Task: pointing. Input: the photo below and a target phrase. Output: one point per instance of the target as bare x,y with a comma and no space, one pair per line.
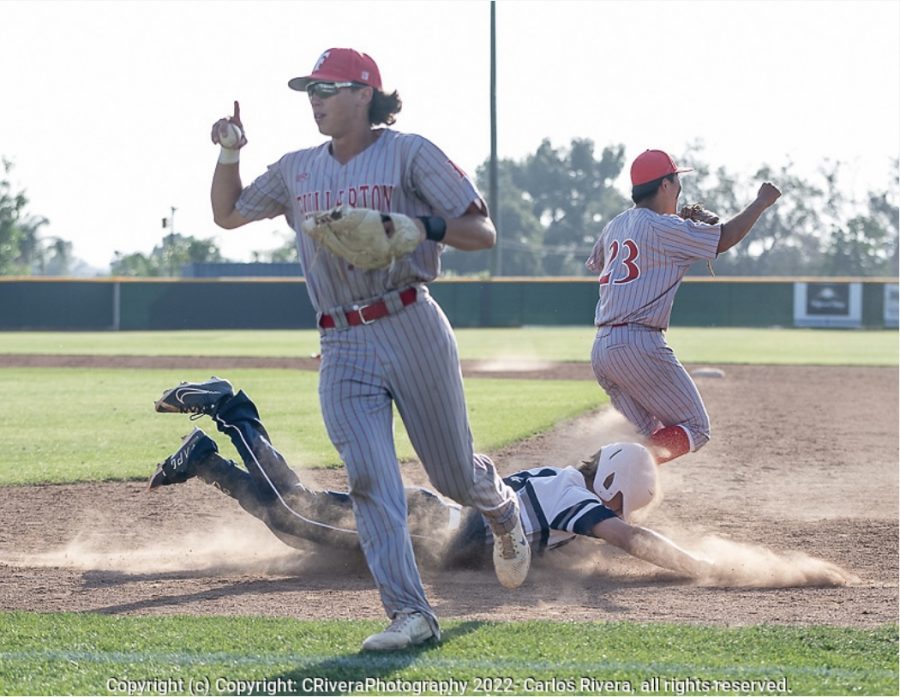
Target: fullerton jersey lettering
642,257
555,506
398,173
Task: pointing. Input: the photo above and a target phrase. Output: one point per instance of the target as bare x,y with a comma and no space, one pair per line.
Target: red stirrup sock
668,443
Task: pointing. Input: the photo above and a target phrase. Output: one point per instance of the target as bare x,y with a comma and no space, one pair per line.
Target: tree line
23,249
553,204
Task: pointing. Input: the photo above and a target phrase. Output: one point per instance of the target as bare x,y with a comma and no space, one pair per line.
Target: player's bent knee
460,494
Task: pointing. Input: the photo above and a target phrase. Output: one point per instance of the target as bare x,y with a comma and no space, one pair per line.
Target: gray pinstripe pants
409,359
646,382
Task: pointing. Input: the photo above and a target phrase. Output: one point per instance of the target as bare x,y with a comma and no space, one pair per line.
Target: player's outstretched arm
226,183
652,547
737,228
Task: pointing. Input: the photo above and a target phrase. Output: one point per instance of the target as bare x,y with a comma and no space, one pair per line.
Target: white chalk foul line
294,662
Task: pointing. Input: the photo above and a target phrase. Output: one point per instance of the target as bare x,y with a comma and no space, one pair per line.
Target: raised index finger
237,111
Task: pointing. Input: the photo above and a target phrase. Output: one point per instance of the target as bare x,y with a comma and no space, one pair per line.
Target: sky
107,106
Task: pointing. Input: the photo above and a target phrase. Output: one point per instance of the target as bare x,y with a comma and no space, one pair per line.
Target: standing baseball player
642,256
597,499
384,340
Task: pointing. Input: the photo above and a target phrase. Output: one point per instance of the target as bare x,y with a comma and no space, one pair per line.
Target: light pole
168,249
493,194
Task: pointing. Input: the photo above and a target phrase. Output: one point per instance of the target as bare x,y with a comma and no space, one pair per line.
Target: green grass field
693,345
94,654
64,425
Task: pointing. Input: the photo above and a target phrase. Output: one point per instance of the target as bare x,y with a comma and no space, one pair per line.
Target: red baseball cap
341,65
653,164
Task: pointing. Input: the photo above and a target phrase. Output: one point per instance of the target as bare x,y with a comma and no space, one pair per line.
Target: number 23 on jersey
612,270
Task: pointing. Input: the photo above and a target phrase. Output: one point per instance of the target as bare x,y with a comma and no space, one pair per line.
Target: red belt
366,314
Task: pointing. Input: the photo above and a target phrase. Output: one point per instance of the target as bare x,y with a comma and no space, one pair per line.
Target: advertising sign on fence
828,304
890,305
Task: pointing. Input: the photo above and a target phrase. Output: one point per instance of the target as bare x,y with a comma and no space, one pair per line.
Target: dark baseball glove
698,213
366,238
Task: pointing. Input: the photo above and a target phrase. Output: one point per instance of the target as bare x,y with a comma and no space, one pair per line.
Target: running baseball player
384,340
642,256
598,499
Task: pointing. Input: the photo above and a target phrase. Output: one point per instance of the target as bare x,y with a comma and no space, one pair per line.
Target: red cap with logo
654,164
341,65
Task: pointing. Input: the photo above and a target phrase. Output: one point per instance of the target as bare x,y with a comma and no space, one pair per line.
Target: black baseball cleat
196,398
182,464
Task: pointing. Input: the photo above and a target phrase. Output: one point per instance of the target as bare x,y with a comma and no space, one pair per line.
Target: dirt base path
796,490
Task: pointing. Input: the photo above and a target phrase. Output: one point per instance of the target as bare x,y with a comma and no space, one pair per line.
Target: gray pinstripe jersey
642,257
399,172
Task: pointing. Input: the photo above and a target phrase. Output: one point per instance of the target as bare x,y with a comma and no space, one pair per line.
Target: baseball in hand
230,136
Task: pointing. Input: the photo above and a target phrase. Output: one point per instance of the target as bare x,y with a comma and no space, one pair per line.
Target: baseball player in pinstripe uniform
642,256
598,499
384,340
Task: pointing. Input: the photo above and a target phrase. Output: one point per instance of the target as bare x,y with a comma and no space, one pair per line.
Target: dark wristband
435,227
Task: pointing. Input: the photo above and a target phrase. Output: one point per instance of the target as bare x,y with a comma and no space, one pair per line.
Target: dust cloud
241,547
510,365
614,428
738,564
734,565
227,543
232,545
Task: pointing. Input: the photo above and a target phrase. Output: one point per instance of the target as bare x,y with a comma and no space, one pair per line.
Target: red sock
668,443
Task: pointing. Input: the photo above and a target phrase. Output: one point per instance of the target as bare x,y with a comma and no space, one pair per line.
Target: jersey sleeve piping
582,517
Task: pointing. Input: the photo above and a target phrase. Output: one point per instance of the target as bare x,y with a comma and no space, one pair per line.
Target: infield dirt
797,489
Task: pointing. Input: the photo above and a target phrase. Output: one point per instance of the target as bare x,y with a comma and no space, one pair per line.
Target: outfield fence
28,303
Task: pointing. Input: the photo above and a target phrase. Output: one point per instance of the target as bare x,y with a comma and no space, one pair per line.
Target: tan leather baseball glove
698,213
366,238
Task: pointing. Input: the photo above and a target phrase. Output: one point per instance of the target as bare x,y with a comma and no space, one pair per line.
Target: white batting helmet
627,468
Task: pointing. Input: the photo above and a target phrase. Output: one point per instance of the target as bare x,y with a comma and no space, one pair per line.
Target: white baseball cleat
512,556
409,628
